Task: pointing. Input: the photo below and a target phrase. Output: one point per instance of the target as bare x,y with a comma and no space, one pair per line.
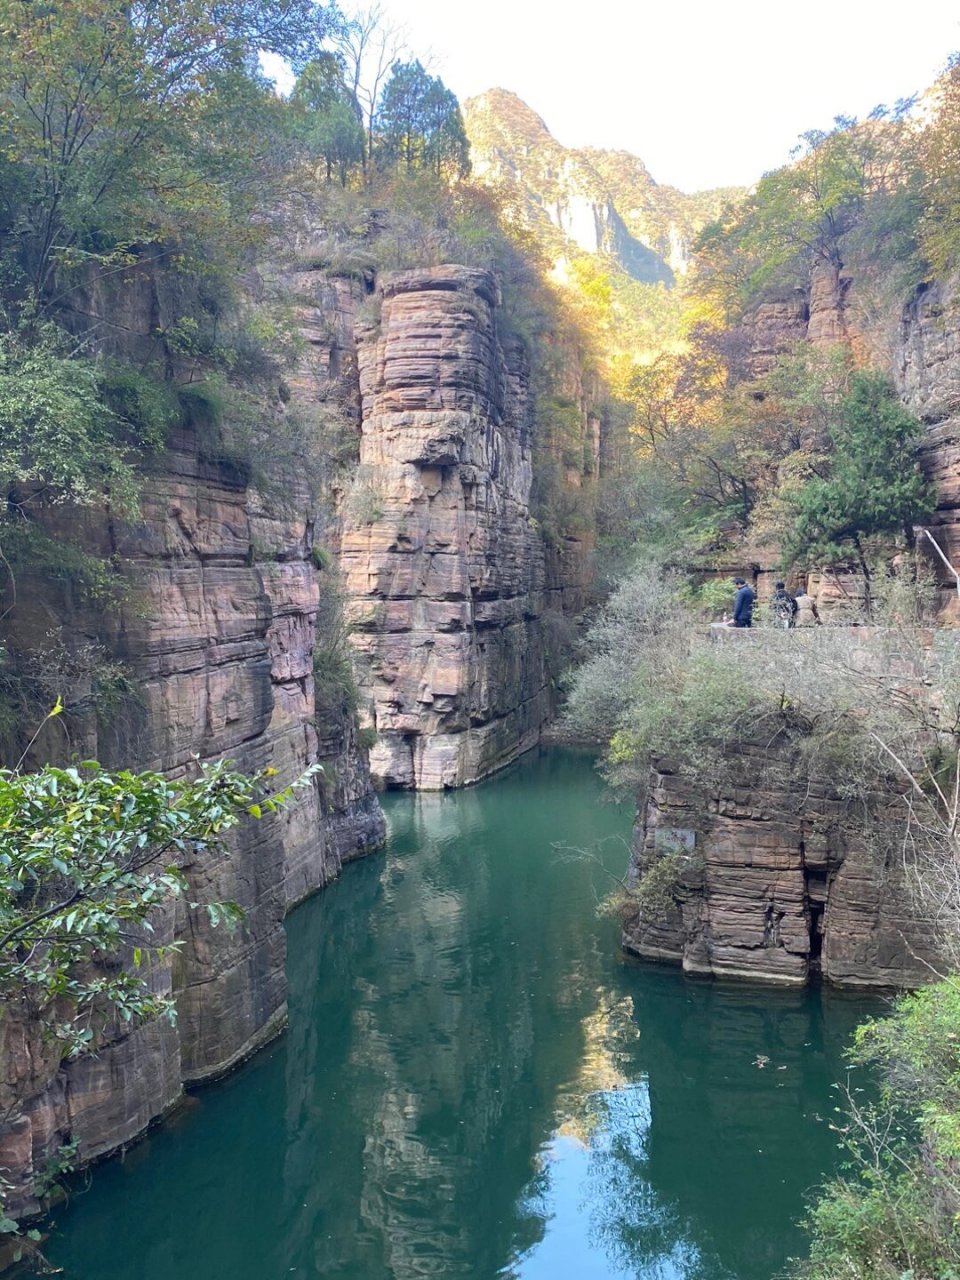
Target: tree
331,118
58,440
894,1212
869,484
105,106
86,859
938,163
419,122
800,215
369,46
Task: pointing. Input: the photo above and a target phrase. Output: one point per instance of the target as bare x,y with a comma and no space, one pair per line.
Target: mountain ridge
588,199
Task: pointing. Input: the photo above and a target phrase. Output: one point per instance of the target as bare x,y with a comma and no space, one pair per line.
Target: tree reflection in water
696,1160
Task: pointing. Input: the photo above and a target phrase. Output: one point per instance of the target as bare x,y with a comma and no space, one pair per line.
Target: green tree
420,124
85,858
331,122
58,440
112,119
938,163
868,484
895,1211
61,442
87,861
801,214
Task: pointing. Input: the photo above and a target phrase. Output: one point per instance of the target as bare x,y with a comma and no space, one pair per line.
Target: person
807,615
742,604
783,607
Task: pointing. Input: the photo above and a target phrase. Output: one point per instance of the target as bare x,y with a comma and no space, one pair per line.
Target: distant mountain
595,201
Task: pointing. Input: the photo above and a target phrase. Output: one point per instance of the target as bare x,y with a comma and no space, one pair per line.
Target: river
476,1084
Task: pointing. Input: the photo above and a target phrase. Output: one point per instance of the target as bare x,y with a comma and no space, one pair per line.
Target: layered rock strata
927,371
444,567
923,359
219,639
773,879
774,892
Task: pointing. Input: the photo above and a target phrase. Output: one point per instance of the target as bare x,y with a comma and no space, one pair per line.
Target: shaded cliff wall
445,569
218,639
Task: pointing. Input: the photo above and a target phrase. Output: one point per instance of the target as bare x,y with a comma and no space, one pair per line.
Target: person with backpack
783,607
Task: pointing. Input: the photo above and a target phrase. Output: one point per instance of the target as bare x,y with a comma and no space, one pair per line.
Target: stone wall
777,881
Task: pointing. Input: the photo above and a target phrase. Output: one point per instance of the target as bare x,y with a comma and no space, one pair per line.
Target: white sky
706,92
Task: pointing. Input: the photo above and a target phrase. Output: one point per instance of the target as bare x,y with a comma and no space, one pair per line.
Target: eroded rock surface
219,639
444,567
775,885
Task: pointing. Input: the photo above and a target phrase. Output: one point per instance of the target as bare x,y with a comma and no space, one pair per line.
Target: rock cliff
444,567
776,890
218,641
592,200
448,587
779,890
926,366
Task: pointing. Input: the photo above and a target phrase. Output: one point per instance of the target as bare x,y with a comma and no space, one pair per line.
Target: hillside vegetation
772,436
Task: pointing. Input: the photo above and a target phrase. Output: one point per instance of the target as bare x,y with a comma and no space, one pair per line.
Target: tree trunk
867,600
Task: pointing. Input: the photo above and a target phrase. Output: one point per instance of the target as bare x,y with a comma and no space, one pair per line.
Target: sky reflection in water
476,1085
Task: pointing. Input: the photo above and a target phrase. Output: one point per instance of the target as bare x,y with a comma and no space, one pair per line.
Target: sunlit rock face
598,202
443,565
771,330
927,370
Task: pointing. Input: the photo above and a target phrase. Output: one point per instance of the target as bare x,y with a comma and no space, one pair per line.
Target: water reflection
473,1086
695,1155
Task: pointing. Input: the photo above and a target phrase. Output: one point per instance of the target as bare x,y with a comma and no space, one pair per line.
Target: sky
705,93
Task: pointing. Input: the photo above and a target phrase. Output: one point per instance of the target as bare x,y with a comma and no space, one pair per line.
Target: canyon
427,551
433,570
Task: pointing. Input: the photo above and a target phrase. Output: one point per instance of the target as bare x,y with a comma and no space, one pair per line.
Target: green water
476,1085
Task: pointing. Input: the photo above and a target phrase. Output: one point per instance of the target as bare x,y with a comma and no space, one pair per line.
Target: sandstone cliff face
218,639
772,329
443,566
776,889
927,370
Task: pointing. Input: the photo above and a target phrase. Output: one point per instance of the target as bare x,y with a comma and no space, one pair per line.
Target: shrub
894,1212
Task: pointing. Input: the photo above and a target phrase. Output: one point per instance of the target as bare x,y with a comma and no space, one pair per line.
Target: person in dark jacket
783,607
742,604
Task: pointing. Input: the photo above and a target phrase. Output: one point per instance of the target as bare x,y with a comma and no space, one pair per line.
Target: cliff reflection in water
473,965
474,1086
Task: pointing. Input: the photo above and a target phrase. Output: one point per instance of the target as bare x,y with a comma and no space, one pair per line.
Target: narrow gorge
377,473
444,578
